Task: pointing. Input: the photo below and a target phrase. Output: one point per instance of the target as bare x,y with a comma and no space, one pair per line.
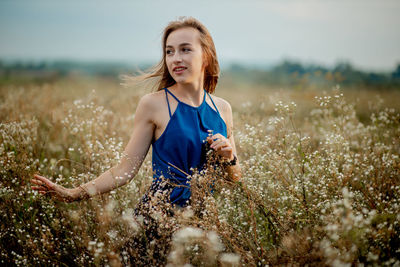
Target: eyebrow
182,44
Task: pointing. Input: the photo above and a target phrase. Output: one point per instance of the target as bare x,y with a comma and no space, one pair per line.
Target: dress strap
213,103
166,97
204,98
172,94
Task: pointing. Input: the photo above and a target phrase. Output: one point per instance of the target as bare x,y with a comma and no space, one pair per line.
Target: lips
179,69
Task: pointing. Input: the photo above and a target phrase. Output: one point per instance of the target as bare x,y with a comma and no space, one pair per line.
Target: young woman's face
184,56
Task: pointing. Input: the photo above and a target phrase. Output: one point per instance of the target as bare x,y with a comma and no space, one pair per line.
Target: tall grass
320,186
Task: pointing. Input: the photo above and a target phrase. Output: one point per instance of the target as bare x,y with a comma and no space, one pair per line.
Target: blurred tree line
19,71
294,74
287,73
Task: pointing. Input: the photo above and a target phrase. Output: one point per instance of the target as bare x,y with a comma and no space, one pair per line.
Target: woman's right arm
134,154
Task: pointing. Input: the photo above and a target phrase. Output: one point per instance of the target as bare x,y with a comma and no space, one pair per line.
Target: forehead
183,35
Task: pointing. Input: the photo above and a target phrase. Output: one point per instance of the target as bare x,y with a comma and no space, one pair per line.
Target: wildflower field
320,186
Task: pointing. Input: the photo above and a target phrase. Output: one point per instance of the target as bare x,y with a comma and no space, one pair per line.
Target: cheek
168,64
198,61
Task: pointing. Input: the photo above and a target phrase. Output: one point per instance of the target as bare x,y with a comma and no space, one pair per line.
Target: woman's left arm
225,147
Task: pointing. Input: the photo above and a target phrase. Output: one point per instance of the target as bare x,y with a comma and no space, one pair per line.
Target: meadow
320,186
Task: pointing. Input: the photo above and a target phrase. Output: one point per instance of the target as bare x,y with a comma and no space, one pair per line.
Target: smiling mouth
179,69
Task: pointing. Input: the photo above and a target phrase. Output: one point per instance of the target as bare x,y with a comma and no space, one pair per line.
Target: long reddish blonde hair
160,70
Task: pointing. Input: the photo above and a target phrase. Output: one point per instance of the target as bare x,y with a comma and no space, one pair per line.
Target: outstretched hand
46,187
221,145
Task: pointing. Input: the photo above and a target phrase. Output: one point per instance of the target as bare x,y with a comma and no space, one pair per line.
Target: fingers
45,187
42,184
213,138
40,180
217,136
37,182
219,144
41,188
219,141
34,181
36,187
227,148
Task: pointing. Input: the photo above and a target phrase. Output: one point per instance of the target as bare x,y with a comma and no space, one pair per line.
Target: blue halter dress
182,144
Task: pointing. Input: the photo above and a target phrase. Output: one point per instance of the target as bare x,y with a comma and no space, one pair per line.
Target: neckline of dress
179,101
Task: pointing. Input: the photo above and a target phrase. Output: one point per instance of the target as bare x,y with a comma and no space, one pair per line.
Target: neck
192,92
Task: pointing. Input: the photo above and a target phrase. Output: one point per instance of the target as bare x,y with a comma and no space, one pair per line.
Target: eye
168,52
186,49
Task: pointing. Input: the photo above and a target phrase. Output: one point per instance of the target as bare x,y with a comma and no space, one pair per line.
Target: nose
177,57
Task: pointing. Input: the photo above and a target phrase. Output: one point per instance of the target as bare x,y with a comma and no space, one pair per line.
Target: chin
182,80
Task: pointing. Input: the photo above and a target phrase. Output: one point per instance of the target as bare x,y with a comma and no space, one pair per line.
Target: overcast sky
364,32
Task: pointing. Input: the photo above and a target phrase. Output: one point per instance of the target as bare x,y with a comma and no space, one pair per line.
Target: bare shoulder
151,101
150,105
223,106
225,110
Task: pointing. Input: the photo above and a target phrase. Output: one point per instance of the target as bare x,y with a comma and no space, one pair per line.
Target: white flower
230,259
188,233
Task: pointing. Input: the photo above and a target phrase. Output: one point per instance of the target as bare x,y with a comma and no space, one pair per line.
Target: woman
175,120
